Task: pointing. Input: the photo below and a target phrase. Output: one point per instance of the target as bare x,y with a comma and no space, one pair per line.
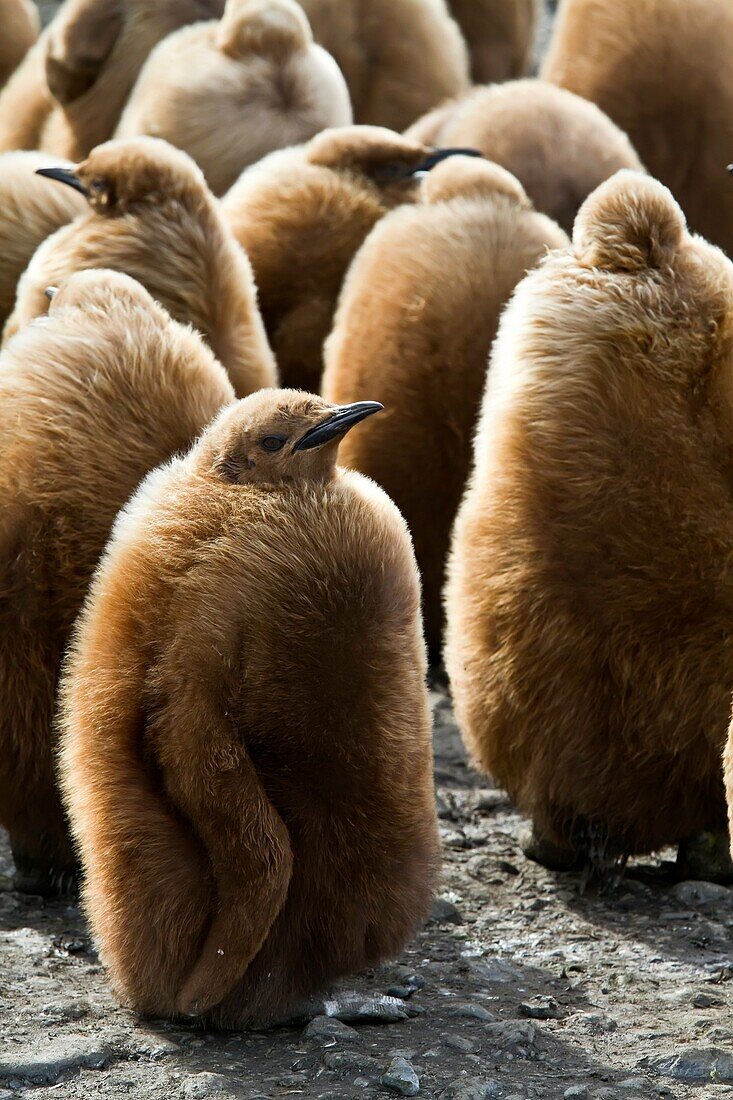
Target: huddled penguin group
321,364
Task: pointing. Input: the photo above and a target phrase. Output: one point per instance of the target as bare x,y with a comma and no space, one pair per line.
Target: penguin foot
705,857
549,855
44,882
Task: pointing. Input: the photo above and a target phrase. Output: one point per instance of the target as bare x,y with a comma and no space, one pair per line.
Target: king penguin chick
302,214
499,35
246,752
559,146
437,275
69,93
231,92
31,208
20,24
400,57
590,594
92,397
661,70
152,216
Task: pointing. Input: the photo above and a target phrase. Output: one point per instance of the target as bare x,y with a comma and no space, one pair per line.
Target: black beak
442,154
64,175
338,424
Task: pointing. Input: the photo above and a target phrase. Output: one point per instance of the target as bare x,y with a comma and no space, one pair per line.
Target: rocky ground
521,986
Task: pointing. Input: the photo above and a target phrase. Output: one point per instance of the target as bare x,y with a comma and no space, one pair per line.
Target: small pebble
702,893
400,1077
471,1088
445,912
576,1092
470,1011
324,1029
697,1065
457,1042
541,1008
406,986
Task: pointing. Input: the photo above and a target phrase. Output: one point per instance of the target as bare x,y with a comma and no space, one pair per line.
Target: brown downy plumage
231,92
590,596
399,57
661,69
437,276
152,216
246,753
301,215
69,93
729,783
20,24
31,208
559,146
499,35
91,398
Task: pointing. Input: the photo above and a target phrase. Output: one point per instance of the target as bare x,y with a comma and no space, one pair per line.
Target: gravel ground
521,986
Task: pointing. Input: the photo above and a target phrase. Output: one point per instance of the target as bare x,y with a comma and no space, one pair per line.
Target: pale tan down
415,324
31,208
559,146
400,57
19,27
661,69
152,216
68,94
231,92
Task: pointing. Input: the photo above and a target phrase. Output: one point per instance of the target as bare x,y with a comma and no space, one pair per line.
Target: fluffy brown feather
590,599
661,70
399,57
31,208
301,215
437,275
231,92
20,24
92,397
499,35
69,93
246,733
152,216
559,146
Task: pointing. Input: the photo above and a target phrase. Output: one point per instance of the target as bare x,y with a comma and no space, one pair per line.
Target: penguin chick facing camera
246,753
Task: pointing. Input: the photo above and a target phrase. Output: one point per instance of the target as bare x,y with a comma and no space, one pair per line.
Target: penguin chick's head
100,288
278,436
395,164
120,175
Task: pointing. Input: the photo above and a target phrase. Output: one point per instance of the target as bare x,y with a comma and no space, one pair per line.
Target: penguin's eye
273,443
97,185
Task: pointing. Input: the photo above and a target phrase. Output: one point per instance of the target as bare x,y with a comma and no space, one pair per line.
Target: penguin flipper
218,789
